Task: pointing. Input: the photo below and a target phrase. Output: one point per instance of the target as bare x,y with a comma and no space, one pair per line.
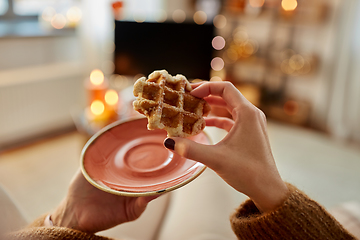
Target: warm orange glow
285,68
232,54
240,35
97,107
96,77
111,97
256,3
200,17
58,21
297,62
219,21
289,5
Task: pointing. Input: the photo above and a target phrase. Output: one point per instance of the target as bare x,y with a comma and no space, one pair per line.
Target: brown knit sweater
299,217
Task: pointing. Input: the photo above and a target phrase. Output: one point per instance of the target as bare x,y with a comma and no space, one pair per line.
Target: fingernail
169,143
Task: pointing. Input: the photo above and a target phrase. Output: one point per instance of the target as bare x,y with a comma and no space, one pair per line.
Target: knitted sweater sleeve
37,231
299,217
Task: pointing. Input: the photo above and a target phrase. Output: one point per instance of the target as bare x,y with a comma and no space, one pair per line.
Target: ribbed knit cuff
52,233
299,217
38,231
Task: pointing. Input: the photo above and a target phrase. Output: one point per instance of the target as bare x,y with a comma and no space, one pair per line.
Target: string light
289,5
179,16
200,17
218,42
217,64
219,21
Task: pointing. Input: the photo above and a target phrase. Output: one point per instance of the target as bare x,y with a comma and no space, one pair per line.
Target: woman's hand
89,209
243,158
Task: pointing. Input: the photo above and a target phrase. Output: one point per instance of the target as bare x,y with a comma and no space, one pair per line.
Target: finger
220,122
192,150
216,101
141,204
195,85
225,90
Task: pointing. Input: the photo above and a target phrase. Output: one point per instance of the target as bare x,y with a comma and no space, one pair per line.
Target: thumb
192,150
140,205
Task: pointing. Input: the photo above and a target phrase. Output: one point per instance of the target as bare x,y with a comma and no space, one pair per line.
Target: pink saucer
125,158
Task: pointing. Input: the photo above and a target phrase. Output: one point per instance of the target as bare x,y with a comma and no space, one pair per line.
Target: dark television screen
141,48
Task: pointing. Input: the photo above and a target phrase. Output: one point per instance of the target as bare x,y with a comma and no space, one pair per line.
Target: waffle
167,103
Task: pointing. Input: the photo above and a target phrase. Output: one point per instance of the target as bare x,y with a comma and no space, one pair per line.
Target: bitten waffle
167,103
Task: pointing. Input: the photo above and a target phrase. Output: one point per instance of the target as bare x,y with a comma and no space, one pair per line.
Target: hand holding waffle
243,158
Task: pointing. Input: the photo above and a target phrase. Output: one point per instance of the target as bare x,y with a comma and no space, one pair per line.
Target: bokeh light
74,14
97,107
296,62
240,36
291,108
232,54
217,64
219,21
215,79
48,13
218,42
96,77
256,3
139,17
179,16
200,17
58,21
161,16
111,97
289,5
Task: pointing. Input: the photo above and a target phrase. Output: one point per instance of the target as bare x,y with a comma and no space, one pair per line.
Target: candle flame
111,97
289,5
97,107
96,77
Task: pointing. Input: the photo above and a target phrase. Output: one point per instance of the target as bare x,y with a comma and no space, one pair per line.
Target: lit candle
112,100
96,86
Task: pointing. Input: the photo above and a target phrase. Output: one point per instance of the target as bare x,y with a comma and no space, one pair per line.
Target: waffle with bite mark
167,103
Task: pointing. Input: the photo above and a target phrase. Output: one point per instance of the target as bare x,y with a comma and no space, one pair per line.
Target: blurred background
296,60
67,68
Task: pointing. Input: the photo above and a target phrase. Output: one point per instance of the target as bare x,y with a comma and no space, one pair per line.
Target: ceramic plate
126,158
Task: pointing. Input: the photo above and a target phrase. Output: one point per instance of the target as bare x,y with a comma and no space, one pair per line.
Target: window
4,6
38,17
143,10
36,7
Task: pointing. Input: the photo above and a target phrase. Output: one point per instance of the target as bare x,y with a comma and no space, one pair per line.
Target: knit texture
37,231
299,217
